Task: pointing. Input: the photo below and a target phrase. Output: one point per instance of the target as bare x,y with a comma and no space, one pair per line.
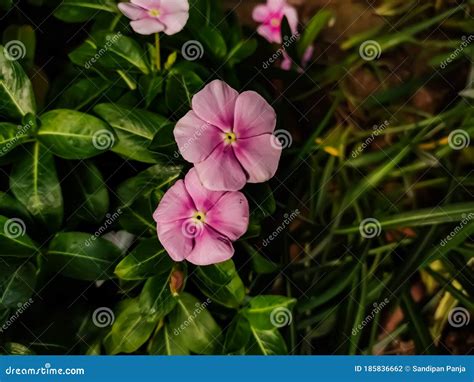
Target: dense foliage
361,242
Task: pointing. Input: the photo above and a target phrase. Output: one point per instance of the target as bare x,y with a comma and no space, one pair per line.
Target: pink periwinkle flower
153,16
271,15
229,137
199,225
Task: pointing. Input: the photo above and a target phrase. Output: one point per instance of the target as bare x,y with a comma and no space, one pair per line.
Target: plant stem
157,52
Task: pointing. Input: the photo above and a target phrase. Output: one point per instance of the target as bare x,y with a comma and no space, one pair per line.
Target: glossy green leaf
147,259
11,136
237,335
194,327
17,283
14,240
212,40
16,93
82,256
83,92
34,182
180,89
12,208
135,130
74,11
130,330
156,297
312,30
71,134
164,343
241,51
221,283
269,312
265,342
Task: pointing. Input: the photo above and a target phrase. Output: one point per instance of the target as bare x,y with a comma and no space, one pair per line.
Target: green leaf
212,40
269,312
164,343
156,297
193,326
149,258
180,89
265,342
424,217
241,51
82,256
12,208
130,330
135,129
71,134
312,30
17,283
83,92
221,283
261,264
14,242
34,182
87,193
6,4
75,11
262,201
238,334
11,136
13,348
16,93
26,35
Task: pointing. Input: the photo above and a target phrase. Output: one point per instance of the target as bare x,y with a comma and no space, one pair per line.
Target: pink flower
153,16
287,62
199,225
271,15
229,137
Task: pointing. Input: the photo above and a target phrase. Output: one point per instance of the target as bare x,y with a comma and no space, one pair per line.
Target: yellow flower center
154,12
275,22
229,138
199,217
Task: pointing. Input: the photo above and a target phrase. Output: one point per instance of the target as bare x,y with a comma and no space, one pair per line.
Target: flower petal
221,171
133,12
203,199
253,115
215,104
147,26
269,33
196,139
174,6
174,22
276,5
175,205
171,236
230,215
148,4
292,17
259,156
210,248
261,13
